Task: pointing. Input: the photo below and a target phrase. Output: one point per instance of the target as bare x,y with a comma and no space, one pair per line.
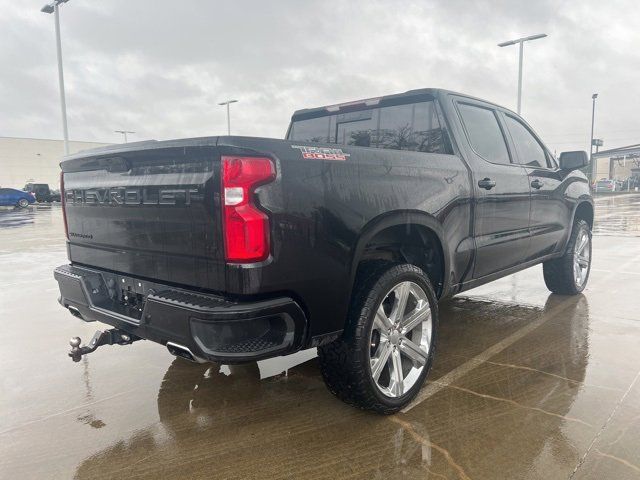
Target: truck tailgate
149,212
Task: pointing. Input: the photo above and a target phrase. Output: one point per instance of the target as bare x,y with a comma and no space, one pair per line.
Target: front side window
528,149
485,135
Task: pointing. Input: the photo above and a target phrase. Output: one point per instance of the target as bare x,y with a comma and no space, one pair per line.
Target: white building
35,160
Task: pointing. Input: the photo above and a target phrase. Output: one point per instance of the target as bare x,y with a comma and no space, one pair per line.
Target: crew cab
344,236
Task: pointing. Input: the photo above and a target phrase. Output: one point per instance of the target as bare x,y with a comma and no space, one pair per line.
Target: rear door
501,186
550,214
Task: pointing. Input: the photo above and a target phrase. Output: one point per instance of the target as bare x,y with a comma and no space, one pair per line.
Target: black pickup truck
344,236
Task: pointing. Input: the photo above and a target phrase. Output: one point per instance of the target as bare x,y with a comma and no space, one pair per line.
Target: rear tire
23,203
568,275
375,364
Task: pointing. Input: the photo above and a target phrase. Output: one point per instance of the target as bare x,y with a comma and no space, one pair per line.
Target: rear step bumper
208,327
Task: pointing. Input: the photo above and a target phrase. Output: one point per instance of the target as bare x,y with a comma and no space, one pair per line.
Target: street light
53,7
227,103
124,132
593,117
521,41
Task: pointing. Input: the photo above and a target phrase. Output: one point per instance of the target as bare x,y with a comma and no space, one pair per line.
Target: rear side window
413,127
484,133
528,149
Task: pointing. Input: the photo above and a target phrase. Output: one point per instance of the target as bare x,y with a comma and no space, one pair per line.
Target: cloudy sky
161,67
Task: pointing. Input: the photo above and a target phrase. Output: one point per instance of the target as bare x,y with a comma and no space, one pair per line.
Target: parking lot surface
525,385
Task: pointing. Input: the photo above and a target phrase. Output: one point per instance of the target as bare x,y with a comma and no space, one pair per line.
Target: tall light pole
521,41
124,132
227,103
53,7
593,118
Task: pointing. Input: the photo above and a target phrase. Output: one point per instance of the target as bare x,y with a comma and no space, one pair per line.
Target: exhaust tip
75,312
183,352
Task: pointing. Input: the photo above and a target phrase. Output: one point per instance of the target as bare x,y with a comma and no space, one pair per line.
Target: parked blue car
10,197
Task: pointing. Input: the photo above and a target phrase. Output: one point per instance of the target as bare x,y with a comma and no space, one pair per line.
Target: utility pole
593,117
520,42
124,132
54,8
227,103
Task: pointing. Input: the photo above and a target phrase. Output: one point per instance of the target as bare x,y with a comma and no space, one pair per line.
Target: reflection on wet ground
525,385
11,217
618,215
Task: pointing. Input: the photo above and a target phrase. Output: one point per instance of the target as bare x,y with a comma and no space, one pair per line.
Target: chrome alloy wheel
581,258
400,339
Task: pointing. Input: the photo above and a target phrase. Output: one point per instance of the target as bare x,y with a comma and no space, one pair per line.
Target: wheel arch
583,210
411,228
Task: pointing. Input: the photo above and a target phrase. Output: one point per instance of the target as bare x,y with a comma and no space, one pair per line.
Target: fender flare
583,199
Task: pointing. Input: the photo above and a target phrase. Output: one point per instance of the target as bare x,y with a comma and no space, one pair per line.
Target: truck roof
410,96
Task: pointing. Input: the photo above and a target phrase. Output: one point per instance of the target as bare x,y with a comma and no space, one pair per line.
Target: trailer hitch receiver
113,336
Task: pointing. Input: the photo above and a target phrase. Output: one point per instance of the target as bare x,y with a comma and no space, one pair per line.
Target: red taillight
63,203
246,228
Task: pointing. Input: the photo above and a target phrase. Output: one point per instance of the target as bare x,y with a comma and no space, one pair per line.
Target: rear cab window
312,130
410,126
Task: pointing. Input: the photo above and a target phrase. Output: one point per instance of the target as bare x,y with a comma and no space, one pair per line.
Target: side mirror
573,160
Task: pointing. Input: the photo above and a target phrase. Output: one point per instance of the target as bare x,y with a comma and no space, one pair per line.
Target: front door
502,196
550,213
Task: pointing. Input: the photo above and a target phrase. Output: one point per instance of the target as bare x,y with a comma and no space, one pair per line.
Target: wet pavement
525,385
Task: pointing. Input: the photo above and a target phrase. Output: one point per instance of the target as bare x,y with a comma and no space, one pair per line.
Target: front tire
23,203
568,275
387,348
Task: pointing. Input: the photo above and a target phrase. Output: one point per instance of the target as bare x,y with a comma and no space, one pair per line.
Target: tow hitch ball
108,337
